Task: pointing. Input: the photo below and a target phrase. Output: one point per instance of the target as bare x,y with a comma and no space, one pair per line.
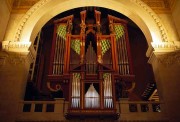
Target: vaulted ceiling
159,6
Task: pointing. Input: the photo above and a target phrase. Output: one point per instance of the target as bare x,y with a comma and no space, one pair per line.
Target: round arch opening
134,31
139,14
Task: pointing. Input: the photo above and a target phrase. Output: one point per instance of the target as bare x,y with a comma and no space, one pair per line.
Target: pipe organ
108,93
121,47
92,98
91,62
75,103
58,56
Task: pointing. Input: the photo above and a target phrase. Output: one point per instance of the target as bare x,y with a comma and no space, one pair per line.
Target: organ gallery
87,62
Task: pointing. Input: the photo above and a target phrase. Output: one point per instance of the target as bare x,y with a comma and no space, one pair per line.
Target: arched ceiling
139,12
159,6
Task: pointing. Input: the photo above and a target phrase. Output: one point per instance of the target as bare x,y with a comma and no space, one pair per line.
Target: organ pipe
58,62
75,100
108,97
121,48
91,60
92,98
91,52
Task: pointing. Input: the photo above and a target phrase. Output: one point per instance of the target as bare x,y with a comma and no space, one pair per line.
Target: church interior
94,61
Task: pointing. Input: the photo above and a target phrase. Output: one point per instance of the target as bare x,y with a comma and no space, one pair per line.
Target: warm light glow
154,37
91,98
108,101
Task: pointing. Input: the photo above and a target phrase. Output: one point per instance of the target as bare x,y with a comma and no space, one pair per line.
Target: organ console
91,62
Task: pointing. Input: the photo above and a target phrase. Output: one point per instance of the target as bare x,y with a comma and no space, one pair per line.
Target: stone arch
136,10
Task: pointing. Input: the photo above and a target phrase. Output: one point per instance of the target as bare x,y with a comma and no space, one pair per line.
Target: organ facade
90,61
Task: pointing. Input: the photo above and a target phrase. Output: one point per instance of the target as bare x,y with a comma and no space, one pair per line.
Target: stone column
14,69
166,67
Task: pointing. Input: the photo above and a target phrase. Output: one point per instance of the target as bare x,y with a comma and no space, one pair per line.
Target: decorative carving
98,27
138,2
155,17
57,87
169,58
83,27
111,27
3,56
165,46
14,46
14,58
69,26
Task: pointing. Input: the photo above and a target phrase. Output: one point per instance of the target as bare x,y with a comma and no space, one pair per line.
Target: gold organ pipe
126,55
57,54
119,48
122,55
55,50
60,55
56,71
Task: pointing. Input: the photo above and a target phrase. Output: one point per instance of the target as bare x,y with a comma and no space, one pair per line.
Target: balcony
48,111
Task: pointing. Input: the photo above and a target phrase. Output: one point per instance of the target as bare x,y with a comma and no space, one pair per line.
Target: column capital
3,57
16,52
15,58
165,58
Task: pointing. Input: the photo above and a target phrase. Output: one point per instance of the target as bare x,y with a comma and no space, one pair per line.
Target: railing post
44,107
138,107
21,106
32,107
59,104
66,107
118,107
124,105
150,107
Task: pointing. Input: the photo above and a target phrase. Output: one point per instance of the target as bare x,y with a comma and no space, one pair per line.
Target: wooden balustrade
56,110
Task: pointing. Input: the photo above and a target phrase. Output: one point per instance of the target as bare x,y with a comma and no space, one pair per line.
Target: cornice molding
15,53
16,46
165,46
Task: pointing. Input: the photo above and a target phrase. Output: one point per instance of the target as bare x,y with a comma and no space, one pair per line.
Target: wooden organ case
91,63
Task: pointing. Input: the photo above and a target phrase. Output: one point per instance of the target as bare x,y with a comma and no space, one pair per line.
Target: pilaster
14,69
166,67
